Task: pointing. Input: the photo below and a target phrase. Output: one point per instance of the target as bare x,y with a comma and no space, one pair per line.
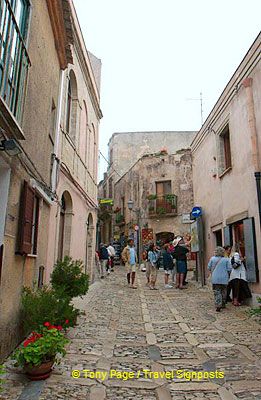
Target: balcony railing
14,59
162,205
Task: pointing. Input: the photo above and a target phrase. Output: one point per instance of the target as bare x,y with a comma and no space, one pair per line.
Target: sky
157,55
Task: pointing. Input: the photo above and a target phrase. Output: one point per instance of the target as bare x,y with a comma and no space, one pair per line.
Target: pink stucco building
73,218
226,167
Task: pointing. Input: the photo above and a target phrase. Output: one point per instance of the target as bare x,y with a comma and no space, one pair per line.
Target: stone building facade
47,39
125,149
26,102
227,166
160,187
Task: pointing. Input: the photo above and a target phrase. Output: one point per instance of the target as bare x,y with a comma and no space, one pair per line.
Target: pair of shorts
130,268
153,272
168,271
181,266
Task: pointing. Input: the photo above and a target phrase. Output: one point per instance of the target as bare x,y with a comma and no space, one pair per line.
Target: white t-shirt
238,273
111,251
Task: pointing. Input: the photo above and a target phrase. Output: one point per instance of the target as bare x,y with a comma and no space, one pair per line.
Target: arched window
90,150
71,106
95,155
85,133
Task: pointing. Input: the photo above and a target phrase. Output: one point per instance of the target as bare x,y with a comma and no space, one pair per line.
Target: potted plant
39,351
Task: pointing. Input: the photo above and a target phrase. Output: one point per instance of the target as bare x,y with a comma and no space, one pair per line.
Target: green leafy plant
41,347
41,305
151,197
68,278
119,218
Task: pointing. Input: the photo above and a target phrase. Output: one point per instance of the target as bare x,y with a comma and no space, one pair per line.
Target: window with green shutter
14,59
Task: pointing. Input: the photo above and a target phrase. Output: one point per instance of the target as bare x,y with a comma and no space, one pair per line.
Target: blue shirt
132,256
220,273
153,257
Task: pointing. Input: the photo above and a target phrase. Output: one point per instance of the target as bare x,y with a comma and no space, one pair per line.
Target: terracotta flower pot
40,372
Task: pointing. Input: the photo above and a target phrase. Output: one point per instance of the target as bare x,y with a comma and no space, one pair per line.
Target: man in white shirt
112,253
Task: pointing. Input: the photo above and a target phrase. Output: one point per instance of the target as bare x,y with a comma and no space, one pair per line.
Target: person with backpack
104,258
220,268
238,280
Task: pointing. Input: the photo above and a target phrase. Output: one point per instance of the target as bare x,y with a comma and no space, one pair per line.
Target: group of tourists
228,276
174,260
227,269
104,259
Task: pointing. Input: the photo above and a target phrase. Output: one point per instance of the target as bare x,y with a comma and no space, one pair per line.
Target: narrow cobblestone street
163,330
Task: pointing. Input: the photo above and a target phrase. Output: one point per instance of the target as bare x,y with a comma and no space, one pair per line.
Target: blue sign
196,212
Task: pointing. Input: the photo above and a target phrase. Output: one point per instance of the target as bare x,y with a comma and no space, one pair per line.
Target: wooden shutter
250,249
26,220
228,241
227,149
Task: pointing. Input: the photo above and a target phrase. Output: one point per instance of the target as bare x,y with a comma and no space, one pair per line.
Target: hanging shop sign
108,202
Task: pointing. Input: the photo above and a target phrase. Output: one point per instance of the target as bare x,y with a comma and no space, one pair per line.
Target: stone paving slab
161,331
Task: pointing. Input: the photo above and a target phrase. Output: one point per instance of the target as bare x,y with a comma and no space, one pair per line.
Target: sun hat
176,241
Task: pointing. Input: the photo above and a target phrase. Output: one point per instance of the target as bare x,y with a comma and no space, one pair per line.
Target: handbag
235,264
211,272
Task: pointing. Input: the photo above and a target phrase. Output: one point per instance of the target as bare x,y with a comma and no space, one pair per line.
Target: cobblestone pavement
164,330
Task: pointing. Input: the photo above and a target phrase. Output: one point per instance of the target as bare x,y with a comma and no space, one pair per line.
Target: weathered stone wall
140,181
128,147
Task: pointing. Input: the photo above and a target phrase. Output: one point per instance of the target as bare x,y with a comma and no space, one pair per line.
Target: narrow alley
124,335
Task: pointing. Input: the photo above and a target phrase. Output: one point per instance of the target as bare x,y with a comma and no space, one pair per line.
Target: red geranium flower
67,321
47,324
59,327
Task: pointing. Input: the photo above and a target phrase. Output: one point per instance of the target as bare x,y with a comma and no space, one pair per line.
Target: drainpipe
55,155
247,83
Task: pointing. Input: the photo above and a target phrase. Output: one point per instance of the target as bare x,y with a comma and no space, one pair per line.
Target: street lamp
10,146
137,211
130,205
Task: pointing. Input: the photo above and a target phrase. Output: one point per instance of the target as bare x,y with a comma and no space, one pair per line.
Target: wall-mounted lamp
10,146
130,204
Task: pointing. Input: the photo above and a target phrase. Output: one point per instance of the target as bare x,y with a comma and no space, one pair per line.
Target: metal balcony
165,205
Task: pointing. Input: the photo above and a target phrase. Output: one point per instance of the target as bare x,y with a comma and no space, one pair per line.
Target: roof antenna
201,105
